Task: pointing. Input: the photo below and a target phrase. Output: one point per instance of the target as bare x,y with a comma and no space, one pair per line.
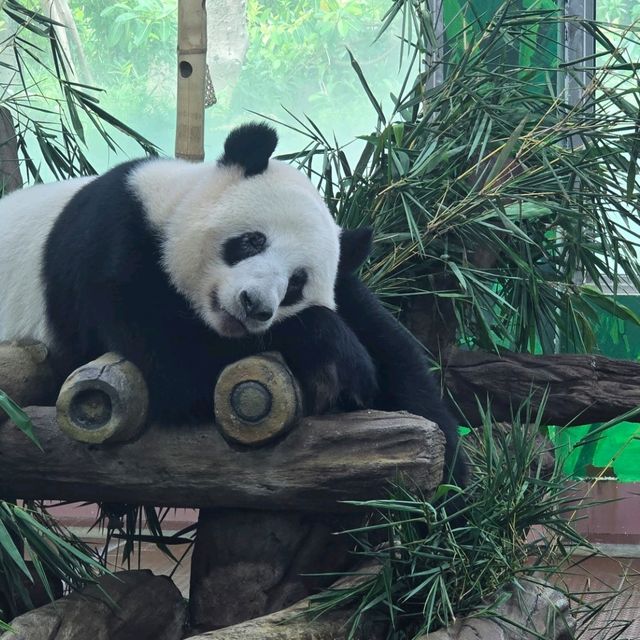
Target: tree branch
582,388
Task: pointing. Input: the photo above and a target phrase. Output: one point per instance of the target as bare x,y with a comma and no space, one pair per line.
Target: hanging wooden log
581,388
257,399
192,65
26,374
325,460
103,401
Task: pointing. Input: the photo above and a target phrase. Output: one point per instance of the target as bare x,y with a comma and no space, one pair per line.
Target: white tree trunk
228,38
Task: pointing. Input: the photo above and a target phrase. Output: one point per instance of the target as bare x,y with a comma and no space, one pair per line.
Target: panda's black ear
250,146
355,247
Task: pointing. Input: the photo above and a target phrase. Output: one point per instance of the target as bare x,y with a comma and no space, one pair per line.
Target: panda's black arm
403,369
334,369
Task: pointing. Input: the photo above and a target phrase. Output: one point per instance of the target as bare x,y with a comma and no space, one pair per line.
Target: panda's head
250,242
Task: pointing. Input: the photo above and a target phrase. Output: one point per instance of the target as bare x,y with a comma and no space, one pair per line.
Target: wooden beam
324,460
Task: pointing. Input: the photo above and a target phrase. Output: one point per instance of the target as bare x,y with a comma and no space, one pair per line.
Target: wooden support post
248,563
192,66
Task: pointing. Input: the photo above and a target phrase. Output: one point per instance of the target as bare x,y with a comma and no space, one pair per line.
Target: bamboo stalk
192,65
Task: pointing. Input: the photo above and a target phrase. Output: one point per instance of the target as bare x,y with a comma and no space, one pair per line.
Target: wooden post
192,66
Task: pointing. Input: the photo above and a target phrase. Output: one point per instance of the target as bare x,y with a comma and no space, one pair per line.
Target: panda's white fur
194,208
216,203
26,218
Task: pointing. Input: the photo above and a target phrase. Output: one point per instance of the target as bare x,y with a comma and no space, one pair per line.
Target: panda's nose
254,307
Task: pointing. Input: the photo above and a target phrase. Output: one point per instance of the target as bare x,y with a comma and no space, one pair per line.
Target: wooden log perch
582,388
103,401
26,374
535,608
325,460
257,399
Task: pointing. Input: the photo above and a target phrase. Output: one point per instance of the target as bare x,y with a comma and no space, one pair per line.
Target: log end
103,401
256,400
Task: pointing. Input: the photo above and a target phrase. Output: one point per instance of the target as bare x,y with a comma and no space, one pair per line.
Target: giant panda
184,268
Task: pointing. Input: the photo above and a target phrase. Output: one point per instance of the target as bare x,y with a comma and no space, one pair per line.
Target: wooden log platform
323,461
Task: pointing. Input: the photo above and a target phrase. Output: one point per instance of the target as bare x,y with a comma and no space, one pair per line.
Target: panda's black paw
345,382
334,369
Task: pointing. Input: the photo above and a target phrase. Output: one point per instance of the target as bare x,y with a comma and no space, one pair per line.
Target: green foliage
131,47
488,191
433,567
302,43
55,116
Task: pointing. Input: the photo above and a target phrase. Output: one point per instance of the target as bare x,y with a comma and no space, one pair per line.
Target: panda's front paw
344,382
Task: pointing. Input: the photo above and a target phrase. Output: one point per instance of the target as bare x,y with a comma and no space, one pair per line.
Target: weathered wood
582,388
26,374
324,460
292,624
131,605
192,50
103,401
257,399
248,563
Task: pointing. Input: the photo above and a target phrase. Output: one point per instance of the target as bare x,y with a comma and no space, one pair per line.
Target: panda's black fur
108,292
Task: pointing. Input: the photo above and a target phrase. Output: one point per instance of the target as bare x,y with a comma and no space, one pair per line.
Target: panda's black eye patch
244,246
294,289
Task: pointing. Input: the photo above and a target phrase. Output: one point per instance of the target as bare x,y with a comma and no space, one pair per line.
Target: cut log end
103,401
256,400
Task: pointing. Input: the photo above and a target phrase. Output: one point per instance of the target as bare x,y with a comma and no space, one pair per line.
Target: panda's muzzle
255,308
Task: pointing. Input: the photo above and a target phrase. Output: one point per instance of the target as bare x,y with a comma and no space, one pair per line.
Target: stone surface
131,605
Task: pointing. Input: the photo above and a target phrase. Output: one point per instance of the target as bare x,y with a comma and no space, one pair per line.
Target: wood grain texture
324,460
582,388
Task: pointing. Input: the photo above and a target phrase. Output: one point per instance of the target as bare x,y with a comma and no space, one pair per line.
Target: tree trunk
10,177
228,41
